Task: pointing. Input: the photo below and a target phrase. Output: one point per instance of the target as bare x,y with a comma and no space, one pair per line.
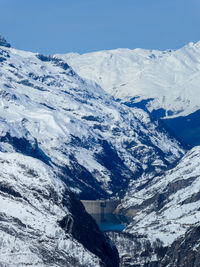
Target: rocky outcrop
136,250
184,252
3,42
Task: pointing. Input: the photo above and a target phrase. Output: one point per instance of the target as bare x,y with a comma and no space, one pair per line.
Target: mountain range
164,83
71,130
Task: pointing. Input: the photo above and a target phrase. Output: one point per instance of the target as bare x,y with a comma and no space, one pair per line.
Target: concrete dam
103,211
101,206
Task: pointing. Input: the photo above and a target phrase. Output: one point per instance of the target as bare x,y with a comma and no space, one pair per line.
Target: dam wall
100,206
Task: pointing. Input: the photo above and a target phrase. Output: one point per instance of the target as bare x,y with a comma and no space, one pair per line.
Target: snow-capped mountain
167,80
60,133
41,222
164,83
94,144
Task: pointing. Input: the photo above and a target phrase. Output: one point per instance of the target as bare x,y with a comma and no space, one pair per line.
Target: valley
81,135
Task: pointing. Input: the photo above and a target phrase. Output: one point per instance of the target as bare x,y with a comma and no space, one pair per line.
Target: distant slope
186,127
169,80
164,83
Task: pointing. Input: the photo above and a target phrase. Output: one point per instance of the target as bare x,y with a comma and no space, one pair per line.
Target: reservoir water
110,221
103,211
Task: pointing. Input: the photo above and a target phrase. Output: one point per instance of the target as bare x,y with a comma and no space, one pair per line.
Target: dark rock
25,147
3,42
184,252
2,59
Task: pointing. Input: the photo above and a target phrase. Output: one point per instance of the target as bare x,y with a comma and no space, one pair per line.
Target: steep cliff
42,223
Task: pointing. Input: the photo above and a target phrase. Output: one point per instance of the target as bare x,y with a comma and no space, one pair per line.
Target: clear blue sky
61,26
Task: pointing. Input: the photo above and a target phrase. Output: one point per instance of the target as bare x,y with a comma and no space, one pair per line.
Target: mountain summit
3,42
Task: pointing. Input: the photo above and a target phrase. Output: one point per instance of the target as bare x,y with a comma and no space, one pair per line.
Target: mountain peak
126,74
3,42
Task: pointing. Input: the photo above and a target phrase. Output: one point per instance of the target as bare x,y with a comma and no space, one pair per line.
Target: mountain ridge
50,111
99,148
145,74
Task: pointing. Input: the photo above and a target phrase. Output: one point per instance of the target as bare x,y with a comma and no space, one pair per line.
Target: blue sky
61,26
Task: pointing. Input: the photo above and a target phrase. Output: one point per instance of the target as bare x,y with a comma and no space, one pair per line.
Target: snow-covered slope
55,125
169,204
164,79
94,144
137,250
165,212
185,251
38,226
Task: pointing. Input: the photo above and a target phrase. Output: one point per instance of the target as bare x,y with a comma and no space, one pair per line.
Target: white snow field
168,79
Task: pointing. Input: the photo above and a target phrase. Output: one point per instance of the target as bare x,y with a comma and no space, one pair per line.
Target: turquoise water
110,222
